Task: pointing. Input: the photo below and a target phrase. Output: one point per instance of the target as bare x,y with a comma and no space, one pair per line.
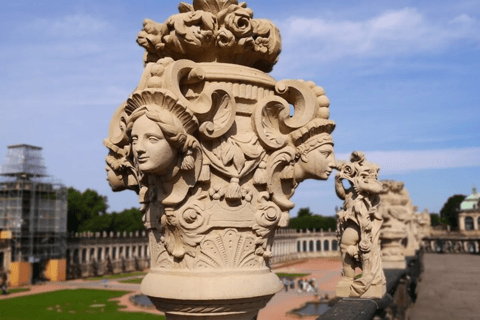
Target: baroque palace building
34,243
469,214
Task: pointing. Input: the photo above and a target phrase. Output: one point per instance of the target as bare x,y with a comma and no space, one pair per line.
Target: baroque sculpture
211,145
395,209
358,228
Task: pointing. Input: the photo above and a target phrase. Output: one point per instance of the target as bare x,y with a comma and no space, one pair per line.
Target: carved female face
317,164
115,181
151,150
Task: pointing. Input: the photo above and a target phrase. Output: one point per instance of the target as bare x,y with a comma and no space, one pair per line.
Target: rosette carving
183,227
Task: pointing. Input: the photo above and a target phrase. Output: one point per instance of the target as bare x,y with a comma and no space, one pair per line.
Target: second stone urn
215,148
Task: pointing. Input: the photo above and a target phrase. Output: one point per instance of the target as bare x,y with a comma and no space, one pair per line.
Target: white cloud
403,161
393,32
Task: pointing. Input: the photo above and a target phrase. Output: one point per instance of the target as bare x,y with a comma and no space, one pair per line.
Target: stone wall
290,244
95,254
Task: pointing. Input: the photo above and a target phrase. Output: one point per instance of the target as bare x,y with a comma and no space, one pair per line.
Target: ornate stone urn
395,211
210,143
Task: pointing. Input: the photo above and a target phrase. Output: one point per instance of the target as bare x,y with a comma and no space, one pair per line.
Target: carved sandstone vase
215,148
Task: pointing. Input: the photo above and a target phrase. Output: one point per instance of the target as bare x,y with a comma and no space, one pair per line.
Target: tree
304,212
83,206
307,220
449,212
129,220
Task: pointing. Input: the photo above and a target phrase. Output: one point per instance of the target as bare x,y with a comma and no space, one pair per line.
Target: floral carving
213,30
208,143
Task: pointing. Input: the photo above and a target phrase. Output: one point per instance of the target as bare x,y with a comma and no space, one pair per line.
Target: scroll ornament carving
358,228
215,148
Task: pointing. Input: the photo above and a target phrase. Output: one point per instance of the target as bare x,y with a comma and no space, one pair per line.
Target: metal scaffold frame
32,206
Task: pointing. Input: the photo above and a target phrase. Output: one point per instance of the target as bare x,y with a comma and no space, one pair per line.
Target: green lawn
117,276
292,275
79,304
15,290
136,280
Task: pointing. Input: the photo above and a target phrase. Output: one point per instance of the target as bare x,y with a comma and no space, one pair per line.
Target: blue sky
402,78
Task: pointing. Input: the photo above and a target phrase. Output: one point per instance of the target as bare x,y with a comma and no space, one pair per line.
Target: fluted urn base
393,256
227,295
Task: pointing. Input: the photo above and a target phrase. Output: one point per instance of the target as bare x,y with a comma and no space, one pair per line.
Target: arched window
334,245
107,251
469,223
304,245
139,251
84,255
325,245
299,246
128,252
99,254
478,222
114,253
92,253
311,244
319,245
75,256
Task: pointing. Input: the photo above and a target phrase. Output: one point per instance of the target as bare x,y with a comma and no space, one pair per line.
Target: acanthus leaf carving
268,116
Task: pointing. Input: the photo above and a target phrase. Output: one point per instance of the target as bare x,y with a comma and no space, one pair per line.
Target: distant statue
358,228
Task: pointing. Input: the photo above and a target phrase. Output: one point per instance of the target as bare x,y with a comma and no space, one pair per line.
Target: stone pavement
326,272
450,288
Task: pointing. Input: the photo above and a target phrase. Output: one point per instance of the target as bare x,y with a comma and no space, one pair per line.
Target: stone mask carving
208,143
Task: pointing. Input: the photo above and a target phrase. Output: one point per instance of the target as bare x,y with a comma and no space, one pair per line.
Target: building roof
23,160
472,201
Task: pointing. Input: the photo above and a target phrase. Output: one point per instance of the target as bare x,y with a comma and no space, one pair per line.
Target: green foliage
304,212
306,220
449,212
76,304
83,206
129,220
87,212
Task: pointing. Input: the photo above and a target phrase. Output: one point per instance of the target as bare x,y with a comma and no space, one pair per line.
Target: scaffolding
33,206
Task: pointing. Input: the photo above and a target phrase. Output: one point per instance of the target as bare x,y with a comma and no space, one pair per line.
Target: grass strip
77,304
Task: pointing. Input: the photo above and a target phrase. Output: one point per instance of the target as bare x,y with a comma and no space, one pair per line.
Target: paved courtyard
450,288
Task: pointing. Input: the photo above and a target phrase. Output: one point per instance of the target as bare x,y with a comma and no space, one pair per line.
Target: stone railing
452,242
401,292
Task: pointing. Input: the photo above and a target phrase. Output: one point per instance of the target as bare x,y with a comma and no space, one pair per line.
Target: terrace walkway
450,288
